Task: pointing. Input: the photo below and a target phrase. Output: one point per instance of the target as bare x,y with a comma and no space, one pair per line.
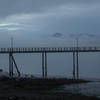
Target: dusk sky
34,23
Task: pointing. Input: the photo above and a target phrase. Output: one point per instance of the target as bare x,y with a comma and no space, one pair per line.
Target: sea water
89,89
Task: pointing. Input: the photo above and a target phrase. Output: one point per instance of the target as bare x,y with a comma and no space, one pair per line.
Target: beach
39,89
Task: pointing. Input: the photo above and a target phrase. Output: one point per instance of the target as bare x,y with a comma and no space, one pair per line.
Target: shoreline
36,83
38,89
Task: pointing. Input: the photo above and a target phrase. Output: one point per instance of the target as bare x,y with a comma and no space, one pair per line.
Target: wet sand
37,89
44,96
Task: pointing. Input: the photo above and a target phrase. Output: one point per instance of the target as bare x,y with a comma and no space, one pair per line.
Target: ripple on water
88,89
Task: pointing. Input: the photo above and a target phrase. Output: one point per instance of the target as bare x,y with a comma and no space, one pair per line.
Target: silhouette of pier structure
44,51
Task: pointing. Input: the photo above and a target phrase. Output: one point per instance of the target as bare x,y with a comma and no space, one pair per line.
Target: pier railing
49,49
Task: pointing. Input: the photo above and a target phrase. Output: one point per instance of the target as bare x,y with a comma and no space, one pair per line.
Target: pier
44,51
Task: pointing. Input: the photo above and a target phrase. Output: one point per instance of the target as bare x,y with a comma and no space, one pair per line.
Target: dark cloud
84,35
10,7
38,17
57,35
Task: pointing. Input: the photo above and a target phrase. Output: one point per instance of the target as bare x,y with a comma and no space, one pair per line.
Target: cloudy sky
51,23
33,22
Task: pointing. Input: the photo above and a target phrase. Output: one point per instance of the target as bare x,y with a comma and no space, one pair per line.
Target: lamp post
77,42
12,40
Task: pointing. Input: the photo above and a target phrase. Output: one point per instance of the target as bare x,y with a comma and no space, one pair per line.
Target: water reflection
88,89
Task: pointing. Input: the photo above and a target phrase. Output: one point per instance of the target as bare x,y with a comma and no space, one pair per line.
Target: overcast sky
33,22
51,23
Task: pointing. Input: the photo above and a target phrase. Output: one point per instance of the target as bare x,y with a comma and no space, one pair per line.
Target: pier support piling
74,66
77,64
44,65
11,67
43,75
16,67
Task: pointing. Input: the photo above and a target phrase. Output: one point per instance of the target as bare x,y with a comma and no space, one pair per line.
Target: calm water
88,89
